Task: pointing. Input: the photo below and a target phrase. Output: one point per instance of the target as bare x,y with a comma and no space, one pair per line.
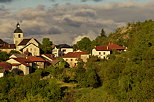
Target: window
104,53
64,50
19,36
66,59
71,59
99,53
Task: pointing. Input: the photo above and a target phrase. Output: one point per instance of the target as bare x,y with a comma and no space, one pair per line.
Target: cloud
68,23
5,1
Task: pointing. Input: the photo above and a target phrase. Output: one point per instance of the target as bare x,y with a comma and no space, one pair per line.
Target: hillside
124,77
128,76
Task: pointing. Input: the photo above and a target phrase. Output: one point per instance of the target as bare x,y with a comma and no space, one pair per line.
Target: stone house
72,58
22,64
38,62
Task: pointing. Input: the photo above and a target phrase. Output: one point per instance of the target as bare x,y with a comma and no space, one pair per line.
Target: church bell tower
18,35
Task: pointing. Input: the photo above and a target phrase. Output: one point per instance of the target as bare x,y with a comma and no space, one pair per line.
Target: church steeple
18,34
18,30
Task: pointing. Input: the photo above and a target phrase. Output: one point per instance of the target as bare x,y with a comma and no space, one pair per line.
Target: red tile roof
109,47
16,64
23,61
102,48
74,54
5,65
115,46
36,59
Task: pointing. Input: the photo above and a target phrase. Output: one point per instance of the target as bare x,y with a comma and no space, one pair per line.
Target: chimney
107,47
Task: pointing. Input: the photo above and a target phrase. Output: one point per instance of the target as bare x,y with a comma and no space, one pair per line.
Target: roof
24,41
63,46
28,45
2,70
36,59
19,55
18,30
74,54
8,46
15,64
50,56
115,46
109,47
5,65
102,48
3,42
54,62
23,61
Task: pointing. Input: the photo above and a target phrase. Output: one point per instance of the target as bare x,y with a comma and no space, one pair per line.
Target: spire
18,30
18,25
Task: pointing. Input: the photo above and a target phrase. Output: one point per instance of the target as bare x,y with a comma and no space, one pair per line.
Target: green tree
103,33
14,52
84,45
4,56
46,45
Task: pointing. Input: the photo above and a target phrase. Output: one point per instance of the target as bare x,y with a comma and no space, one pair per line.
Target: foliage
4,56
14,52
84,45
103,33
30,88
46,45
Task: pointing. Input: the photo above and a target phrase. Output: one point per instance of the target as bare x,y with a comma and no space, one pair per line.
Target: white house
103,51
62,49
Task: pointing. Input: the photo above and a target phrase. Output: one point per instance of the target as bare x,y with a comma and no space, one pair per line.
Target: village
30,56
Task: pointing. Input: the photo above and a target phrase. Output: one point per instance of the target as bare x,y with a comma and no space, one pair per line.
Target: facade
72,58
62,49
32,49
103,51
7,47
38,62
22,64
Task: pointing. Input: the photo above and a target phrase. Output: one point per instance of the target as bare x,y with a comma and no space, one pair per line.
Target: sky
67,21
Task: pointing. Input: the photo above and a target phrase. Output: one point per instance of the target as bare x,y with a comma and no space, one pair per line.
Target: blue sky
20,4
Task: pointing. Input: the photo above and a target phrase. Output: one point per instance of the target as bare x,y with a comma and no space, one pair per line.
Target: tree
3,56
84,44
46,45
14,52
103,33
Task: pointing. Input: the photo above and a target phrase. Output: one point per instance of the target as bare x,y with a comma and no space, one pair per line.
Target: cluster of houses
30,57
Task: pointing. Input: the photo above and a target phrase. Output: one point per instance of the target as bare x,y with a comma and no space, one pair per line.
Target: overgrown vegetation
124,77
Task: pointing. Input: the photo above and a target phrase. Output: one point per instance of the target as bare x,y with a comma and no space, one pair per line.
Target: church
29,46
